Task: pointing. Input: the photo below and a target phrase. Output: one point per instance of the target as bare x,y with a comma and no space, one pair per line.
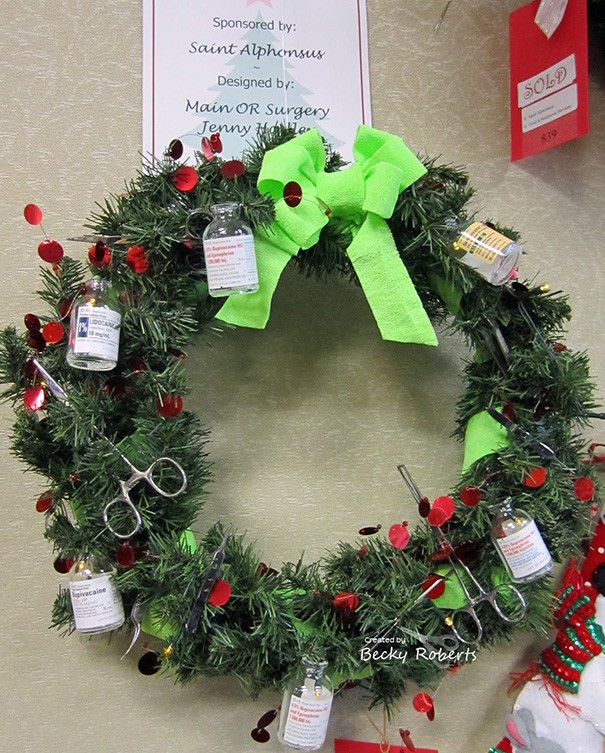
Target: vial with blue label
94,331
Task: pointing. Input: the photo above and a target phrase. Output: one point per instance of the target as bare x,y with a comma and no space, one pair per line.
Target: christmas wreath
385,222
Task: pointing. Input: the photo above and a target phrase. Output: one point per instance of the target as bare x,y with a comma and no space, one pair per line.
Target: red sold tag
356,746
549,80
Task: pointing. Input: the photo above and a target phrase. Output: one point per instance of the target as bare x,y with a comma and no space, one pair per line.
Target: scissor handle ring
166,461
469,610
137,518
502,590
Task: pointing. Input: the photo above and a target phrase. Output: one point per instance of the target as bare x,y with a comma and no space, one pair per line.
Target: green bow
362,196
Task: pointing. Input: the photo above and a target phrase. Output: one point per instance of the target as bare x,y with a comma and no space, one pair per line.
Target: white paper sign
547,82
234,66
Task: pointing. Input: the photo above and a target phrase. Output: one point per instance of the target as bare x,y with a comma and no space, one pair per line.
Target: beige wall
310,417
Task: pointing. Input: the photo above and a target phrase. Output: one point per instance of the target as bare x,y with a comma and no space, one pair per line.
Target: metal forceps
512,612
508,613
136,476
123,498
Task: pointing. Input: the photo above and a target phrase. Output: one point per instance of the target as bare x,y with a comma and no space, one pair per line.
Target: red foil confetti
292,194
34,398
232,169
363,552
53,332
220,594
185,178
399,536
533,478
44,502
137,260
50,251
32,214
470,496
584,488
169,406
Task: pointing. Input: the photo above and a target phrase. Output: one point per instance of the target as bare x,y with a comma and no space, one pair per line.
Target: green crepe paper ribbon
363,196
152,622
483,436
453,597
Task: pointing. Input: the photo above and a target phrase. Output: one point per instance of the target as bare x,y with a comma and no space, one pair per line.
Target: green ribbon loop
362,196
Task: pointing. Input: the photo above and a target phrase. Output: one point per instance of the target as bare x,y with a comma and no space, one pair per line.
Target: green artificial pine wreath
364,588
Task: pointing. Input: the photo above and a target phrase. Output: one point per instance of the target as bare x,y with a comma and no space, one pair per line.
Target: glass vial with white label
95,601
488,252
520,544
229,253
94,329
305,709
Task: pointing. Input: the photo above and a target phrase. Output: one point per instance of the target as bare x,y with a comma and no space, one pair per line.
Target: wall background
297,473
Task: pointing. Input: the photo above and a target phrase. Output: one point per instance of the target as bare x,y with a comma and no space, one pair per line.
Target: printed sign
549,80
235,66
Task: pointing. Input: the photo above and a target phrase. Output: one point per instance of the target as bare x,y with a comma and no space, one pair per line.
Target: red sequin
169,406
32,323
534,477
44,502
441,511
175,149
34,398
292,194
422,703
50,251
185,178
584,488
53,332
233,169
399,536
436,591
32,214
470,496
125,555
220,594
